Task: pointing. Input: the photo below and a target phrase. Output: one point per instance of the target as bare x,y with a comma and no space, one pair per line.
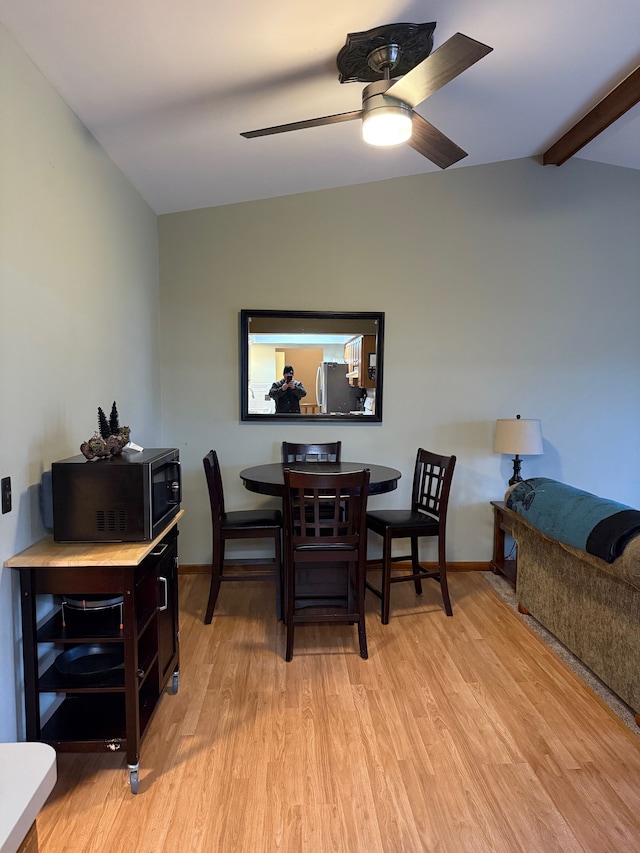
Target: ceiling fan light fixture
387,126
385,121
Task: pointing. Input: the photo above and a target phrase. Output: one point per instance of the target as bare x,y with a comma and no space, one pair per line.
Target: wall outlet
5,489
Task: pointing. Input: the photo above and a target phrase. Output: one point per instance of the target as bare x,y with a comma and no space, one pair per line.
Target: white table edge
27,776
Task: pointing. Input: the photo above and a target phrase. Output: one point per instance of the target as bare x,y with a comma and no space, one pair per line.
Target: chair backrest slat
327,452
325,510
432,483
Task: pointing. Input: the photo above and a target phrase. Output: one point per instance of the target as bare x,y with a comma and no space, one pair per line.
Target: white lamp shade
518,436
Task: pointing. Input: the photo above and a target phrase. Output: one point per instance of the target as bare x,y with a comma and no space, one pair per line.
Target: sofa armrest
626,567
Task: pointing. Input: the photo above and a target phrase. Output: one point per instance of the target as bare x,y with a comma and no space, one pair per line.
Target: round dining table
269,479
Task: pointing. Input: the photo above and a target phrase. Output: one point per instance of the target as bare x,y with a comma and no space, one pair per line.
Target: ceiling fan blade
452,58
434,145
301,125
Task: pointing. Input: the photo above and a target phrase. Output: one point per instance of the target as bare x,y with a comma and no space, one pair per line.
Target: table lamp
519,436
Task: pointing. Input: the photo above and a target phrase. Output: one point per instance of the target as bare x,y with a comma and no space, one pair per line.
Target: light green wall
507,288
78,312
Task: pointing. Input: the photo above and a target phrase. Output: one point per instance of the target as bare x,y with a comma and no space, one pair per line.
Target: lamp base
516,471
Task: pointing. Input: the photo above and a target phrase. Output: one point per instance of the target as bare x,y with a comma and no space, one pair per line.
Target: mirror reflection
336,360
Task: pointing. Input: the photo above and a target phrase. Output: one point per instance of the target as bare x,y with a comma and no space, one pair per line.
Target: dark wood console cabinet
108,709
500,563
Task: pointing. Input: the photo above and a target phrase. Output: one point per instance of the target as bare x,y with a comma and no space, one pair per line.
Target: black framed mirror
337,358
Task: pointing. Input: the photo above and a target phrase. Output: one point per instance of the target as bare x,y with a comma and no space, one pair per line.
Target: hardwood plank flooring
458,734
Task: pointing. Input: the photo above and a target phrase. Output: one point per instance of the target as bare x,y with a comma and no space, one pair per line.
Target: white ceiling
166,86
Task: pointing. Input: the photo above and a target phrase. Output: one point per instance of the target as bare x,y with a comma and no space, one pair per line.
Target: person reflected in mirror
287,392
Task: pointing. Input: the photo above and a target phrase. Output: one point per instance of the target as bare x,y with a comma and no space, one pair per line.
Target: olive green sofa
590,605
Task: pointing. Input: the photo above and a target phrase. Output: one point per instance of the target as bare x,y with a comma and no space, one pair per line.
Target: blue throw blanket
596,525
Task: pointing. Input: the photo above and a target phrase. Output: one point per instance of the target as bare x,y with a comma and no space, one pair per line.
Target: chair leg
289,574
217,563
444,586
386,578
289,652
362,639
279,577
362,628
415,564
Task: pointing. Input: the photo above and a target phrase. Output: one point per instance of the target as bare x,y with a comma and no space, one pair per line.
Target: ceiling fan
388,105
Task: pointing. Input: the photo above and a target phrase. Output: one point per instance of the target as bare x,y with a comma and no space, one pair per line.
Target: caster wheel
134,780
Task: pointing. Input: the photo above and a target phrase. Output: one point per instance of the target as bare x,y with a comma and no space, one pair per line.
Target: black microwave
126,498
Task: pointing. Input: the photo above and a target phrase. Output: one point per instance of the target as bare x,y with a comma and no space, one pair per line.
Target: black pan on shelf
90,659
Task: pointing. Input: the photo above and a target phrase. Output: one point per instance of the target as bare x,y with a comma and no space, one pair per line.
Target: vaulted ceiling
167,87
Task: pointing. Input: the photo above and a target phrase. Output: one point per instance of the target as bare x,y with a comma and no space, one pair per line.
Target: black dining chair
325,558
427,516
327,452
241,524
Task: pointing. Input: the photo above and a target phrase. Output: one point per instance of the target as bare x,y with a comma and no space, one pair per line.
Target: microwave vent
111,520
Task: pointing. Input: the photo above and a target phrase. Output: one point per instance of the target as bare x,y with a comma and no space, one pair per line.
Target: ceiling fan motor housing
373,97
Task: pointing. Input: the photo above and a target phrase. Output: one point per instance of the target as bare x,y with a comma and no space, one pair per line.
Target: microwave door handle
175,488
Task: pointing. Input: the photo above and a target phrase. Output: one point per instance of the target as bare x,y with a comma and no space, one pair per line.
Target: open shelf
89,719
82,627
53,681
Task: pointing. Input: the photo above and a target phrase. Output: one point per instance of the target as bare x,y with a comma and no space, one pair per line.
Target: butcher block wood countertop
46,552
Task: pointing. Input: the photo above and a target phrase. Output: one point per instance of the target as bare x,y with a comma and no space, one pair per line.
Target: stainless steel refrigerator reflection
333,392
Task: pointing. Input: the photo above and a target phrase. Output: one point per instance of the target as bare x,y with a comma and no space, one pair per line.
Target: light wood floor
458,734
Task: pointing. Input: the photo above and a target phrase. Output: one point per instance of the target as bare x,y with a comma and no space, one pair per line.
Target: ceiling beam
615,104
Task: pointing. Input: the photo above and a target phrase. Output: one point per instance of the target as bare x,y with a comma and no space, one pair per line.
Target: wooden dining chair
241,524
327,452
325,557
427,516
